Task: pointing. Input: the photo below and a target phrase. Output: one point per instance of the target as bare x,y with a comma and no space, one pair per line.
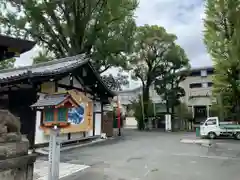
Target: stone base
15,163
20,168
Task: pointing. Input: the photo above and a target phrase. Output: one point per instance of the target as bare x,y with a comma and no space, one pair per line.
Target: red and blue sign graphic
76,115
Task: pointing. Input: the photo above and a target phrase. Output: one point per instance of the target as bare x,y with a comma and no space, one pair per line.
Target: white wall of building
202,91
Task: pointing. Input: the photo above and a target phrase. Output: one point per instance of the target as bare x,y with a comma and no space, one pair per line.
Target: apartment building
198,88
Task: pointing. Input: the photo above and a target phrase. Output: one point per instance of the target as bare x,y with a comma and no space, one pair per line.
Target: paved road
155,156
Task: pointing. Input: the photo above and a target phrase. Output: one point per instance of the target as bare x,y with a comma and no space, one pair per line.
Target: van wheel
212,135
237,136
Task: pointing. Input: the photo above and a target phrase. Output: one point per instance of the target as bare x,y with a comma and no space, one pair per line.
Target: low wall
131,123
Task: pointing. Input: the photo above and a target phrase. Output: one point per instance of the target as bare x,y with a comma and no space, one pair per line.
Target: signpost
54,154
55,109
119,117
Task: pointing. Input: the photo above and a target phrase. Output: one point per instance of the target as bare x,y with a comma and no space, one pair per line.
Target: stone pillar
208,109
193,112
15,163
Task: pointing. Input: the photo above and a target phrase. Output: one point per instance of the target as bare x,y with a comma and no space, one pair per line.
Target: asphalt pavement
156,156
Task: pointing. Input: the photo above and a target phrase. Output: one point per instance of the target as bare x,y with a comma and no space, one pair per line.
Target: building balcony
199,93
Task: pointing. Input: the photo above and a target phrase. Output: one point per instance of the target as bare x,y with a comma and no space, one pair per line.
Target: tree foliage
8,63
221,36
116,82
157,61
100,28
183,112
150,48
176,66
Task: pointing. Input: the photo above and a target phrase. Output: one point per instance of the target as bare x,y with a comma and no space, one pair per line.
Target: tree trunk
145,104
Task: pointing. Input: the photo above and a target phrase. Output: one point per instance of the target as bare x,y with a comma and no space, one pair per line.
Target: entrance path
154,156
41,169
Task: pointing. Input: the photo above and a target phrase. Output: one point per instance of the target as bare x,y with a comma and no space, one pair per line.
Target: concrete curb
43,151
203,142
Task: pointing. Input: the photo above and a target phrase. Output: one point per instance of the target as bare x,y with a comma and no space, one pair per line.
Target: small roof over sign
53,100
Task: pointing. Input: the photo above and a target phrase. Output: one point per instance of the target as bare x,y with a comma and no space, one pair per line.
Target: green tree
176,66
151,45
100,28
8,63
221,36
116,82
155,56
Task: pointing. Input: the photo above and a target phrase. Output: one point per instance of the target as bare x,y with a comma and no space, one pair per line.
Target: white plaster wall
65,81
98,119
39,135
98,124
76,83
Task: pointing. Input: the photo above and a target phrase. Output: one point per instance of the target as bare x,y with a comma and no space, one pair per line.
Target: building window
195,85
210,84
203,73
195,73
210,71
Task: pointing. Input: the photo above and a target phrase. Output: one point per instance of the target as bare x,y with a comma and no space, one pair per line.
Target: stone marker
15,163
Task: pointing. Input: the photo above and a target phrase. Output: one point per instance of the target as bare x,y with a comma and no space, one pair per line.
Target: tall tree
8,63
100,28
151,48
176,66
221,36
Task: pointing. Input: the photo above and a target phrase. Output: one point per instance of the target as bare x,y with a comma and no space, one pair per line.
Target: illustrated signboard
81,117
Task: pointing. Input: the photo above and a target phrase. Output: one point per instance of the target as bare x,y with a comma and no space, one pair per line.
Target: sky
181,17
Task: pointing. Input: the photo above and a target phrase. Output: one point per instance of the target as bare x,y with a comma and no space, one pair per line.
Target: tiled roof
41,69
53,67
50,100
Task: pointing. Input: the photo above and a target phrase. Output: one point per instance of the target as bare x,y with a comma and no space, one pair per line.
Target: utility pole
142,104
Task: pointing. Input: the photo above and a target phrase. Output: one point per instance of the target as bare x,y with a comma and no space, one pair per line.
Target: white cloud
183,18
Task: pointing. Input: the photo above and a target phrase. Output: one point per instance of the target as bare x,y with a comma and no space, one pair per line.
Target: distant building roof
9,44
202,68
130,90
